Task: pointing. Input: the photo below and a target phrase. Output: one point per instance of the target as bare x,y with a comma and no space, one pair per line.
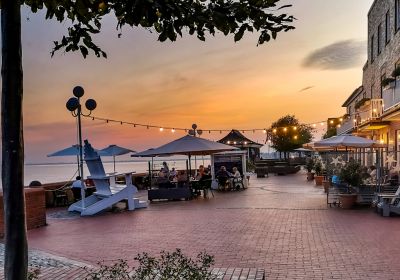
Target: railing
346,126
370,111
391,95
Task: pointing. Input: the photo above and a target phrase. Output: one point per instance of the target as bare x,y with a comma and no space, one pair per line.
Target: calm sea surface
49,173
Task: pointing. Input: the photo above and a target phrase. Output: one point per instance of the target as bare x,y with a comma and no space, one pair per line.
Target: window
387,27
372,43
397,14
379,38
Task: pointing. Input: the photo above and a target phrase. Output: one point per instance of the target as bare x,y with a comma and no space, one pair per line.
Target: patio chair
108,192
223,182
206,186
388,203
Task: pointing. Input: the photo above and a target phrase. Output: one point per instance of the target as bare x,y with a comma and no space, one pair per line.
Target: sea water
59,172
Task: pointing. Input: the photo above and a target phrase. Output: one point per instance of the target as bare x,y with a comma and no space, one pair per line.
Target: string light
274,130
295,137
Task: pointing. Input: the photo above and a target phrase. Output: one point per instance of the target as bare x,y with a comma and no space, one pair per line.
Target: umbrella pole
195,166
114,163
190,166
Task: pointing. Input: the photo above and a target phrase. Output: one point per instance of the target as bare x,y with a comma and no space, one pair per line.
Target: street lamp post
74,106
196,133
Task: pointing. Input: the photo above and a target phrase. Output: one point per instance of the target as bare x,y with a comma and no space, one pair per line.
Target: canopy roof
114,150
346,141
71,151
187,145
236,138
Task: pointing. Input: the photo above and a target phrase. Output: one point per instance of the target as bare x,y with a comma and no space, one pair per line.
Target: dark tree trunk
15,259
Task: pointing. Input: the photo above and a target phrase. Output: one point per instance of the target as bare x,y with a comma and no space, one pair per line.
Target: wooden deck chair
108,192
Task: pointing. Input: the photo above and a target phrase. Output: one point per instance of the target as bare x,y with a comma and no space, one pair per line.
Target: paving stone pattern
281,224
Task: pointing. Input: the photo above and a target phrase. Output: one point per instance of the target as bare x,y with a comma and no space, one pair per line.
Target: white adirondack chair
108,192
389,203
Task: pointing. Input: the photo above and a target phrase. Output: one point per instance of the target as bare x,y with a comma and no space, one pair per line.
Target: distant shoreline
107,161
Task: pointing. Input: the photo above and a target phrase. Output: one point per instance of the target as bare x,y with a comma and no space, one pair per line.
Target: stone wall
384,63
35,209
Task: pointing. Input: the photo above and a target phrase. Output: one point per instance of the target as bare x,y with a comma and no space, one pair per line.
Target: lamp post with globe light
195,133
75,107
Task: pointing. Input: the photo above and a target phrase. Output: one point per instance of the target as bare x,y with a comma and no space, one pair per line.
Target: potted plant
318,173
330,171
310,167
351,174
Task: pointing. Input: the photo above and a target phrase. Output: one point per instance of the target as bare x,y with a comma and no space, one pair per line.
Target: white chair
388,203
108,192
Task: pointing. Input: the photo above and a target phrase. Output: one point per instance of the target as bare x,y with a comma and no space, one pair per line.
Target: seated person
162,178
206,175
223,177
172,174
236,173
372,173
181,178
200,173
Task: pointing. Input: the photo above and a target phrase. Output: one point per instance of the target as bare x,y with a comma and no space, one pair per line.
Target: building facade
373,109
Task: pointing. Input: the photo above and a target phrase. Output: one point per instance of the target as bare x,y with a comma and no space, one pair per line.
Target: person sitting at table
162,179
181,178
206,175
201,172
172,174
223,177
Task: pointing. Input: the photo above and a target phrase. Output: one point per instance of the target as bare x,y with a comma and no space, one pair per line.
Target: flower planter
326,185
347,201
319,180
310,176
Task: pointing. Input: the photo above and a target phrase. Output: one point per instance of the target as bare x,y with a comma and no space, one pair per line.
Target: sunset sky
217,84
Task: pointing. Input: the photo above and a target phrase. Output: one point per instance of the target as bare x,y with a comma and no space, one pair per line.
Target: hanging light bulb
284,129
173,130
274,131
161,129
314,125
264,131
295,137
295,128
322,123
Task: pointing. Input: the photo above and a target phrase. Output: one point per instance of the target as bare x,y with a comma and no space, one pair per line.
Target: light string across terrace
173,129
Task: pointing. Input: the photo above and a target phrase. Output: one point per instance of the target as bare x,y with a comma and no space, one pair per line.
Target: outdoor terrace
280,224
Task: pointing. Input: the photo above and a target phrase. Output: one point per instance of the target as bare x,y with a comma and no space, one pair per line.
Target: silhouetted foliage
168,266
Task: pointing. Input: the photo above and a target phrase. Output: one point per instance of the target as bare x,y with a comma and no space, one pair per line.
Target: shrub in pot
310,167
351,174
318,172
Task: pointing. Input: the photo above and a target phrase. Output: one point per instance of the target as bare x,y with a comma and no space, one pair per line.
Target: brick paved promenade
280,224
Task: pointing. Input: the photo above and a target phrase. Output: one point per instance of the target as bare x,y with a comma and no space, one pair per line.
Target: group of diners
229,180
179,178
226,180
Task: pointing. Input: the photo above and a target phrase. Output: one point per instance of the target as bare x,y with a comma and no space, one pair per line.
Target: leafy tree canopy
168,18
288,134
